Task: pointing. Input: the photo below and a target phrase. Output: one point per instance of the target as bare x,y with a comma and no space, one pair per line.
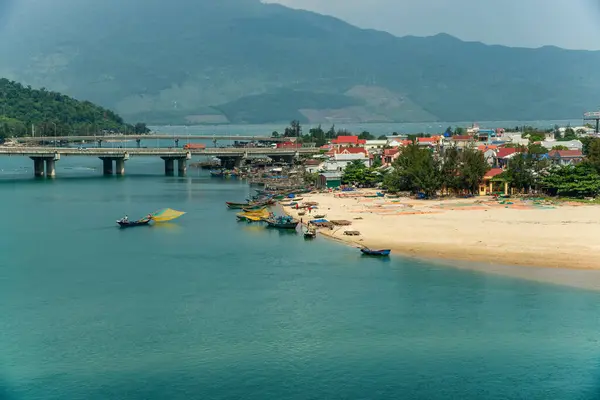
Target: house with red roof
353,141
390,155
504,154
428,141
565,157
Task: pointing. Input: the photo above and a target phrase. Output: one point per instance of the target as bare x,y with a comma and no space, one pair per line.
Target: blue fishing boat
282,222
375,253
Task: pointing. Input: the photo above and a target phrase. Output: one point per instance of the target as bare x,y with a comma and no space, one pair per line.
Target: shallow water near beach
209,308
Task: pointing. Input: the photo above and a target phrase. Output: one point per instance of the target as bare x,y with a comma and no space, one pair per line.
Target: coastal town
542,216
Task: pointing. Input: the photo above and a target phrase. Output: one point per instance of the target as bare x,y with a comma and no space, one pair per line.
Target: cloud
528,23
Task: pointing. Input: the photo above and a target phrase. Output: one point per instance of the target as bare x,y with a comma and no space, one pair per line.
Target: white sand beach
477,229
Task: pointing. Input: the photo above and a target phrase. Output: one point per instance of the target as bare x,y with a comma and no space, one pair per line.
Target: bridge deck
159,152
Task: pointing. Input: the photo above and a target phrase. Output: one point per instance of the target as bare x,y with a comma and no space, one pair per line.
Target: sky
571,24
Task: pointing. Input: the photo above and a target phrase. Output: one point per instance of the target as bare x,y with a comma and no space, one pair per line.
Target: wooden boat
131,224
310,233
237,206
282,223
319,216
376,253
257,207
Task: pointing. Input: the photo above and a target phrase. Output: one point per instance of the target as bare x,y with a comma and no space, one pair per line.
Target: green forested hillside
54,113
232,60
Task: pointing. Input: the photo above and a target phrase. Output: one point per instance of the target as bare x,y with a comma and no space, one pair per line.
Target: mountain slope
53,113
232,60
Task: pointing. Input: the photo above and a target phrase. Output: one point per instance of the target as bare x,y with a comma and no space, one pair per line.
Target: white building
338,162
375,144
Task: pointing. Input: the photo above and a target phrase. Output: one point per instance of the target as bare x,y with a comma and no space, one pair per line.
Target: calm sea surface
208,308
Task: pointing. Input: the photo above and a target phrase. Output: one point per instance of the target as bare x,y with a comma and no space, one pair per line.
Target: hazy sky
573,24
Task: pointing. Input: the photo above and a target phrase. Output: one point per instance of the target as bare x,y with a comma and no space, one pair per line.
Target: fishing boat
237,206
377,253
253,216
310,233
282,222
130,224
217,173
164,215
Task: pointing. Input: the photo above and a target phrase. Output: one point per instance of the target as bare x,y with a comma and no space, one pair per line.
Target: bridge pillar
176,142
50,168
99,142
181,166
139,142
120,166
38,166
238,161
169,166
107,166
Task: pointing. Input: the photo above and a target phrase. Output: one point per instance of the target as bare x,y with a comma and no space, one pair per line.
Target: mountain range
243,61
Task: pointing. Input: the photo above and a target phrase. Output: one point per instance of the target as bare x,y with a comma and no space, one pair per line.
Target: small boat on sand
376,253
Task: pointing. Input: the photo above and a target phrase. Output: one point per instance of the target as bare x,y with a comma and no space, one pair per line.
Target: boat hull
376,253
133,224
286,225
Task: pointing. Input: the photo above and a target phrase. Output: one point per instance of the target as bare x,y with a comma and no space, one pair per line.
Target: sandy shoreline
476,230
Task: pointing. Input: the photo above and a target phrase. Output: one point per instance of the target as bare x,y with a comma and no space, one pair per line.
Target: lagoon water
208,308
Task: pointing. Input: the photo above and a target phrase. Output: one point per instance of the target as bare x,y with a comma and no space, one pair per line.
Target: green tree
587,142
581,180
472,169
357,173
331,132
560,147
450,170
294,130
415,170
458,131
366,136
317,135
569,135
536,137
593,154
382,137
520,173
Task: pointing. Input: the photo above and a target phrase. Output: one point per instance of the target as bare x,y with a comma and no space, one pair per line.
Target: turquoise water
208,308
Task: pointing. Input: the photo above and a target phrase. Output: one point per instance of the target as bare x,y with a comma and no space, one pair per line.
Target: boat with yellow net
166,214
253,216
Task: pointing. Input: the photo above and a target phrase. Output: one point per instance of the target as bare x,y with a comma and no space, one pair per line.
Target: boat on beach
375,253
310,233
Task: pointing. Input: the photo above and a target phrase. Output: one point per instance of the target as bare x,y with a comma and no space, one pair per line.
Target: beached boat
310,233
282,223
376,253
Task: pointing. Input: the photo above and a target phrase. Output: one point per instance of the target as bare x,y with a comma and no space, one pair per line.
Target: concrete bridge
48,156
139,138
